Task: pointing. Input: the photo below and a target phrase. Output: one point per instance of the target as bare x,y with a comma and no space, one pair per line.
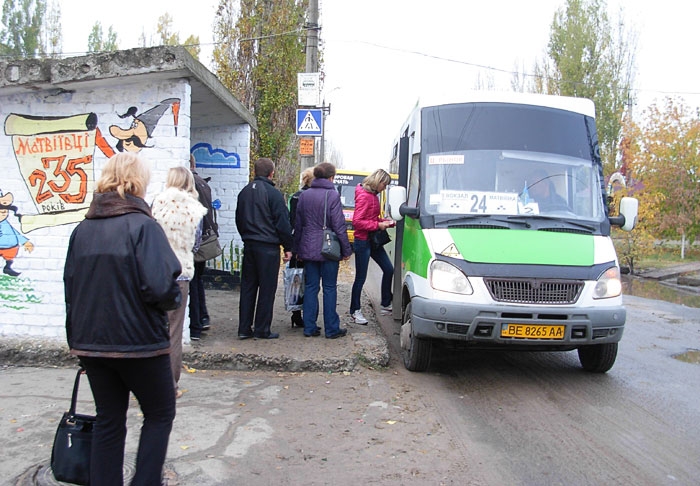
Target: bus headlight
608,284
449,278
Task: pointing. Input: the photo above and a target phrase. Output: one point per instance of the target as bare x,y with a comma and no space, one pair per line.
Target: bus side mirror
397,204
629,207
397,197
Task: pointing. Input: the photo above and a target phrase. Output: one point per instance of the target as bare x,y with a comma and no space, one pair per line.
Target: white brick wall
226,183
31,305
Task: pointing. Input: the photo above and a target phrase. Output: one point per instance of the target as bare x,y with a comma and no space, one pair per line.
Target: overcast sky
382,55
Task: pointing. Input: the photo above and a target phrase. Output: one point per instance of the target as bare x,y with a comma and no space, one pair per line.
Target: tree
259,51
97,41
633,246
665,158
192,45
587,57
164,31
170,38
22,21
52,32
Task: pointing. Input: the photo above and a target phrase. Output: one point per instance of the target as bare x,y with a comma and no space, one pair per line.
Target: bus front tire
598,358
415,352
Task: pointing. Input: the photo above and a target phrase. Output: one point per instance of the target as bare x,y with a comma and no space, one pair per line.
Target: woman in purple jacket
308,236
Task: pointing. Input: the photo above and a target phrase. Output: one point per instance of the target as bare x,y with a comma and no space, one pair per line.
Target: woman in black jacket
120,279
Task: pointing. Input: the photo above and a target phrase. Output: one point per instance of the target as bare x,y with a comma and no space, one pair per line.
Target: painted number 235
59,180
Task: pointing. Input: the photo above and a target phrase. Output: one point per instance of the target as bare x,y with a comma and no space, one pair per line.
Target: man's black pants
259,274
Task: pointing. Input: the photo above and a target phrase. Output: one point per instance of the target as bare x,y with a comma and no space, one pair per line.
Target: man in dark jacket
262,220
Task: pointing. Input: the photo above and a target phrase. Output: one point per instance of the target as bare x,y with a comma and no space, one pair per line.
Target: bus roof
583,106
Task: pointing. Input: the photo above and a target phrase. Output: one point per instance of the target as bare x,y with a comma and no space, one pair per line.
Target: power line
500,70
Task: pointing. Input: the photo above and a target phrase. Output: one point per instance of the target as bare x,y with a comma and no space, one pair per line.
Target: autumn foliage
662,165
260,48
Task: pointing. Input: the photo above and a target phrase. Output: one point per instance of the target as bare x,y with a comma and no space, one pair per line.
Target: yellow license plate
528,331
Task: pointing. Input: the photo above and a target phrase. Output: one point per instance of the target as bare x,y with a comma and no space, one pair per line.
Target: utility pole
312,29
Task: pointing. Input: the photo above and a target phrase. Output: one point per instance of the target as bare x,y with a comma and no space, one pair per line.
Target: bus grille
534,291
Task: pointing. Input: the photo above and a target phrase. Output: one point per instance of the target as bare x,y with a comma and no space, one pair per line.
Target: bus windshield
486,159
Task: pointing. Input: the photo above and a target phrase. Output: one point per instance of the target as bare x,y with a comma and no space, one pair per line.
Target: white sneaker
358,317
385,310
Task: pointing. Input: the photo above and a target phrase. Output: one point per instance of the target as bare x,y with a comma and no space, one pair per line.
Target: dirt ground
220,347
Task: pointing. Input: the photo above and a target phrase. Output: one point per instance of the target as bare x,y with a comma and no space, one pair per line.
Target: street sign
309,89
310,122
306,146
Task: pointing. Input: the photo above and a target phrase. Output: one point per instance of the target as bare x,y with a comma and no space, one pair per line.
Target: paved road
481,418
537,418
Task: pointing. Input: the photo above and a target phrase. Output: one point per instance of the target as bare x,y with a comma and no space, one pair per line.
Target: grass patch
668,255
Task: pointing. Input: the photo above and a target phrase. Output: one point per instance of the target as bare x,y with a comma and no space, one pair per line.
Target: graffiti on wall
209,157
14,292
55,156
10,238
134,138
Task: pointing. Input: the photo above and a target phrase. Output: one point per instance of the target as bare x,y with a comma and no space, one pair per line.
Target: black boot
12,273
297,320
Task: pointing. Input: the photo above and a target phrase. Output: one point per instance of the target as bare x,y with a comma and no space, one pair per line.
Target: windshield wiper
442,220
562,221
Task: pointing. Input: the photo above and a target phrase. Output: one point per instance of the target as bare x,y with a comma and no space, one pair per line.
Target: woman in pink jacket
365,220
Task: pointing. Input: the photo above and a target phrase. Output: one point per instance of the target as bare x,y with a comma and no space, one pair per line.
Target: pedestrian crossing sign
310,122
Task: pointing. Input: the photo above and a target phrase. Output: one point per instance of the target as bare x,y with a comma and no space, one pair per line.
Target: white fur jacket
179,214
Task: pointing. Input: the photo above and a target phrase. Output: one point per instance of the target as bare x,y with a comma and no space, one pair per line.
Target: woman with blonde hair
367,218
120,279
179,212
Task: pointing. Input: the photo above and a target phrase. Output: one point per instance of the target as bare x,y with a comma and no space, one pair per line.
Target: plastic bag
293,288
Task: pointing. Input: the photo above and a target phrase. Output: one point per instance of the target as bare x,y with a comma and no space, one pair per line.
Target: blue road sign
310,122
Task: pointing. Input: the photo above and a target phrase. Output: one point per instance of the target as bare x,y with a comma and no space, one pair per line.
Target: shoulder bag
70,455
330,247
210,247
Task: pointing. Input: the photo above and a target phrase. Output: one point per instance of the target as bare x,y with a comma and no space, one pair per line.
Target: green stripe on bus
524,247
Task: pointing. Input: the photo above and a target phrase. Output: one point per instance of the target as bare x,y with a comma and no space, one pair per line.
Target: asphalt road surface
537,418
485,418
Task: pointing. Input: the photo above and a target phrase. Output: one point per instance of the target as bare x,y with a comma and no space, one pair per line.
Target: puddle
690,356
652,289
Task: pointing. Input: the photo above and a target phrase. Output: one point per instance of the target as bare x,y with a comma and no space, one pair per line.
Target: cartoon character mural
55,158
10,238
55,155
134,138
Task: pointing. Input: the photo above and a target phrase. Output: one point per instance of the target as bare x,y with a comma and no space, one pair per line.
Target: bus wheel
598,358
415,351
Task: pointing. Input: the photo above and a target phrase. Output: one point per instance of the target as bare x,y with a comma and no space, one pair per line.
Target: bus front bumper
517,326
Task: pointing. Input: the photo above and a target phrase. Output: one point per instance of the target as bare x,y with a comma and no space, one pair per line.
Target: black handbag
330,246
378,238
70,456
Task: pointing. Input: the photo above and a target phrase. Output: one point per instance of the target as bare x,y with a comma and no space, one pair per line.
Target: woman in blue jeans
320,205
367,218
